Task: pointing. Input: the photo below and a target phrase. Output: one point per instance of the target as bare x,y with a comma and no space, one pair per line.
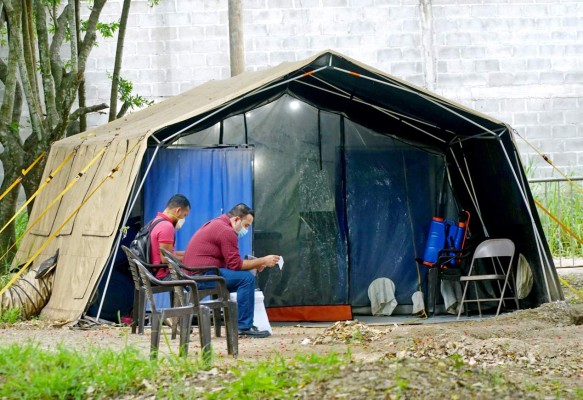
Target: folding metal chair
498,255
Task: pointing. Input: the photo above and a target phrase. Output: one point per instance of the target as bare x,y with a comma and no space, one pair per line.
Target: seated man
216,244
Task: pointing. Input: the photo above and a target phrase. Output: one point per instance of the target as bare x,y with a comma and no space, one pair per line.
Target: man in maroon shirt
216,244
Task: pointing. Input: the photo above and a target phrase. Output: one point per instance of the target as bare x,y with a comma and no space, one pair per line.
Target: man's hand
269,261
260,263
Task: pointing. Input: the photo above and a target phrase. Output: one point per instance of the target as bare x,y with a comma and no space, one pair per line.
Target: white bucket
260,319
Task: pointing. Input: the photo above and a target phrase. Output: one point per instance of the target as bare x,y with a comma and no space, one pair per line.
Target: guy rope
110,175
22,175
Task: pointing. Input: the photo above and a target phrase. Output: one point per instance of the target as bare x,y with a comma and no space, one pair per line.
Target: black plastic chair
219,298
184,311
139,308
448,267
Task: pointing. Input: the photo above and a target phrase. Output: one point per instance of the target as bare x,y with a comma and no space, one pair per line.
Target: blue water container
455,239
435,241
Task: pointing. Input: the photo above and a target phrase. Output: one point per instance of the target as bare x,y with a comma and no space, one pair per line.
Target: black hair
241,210
178,200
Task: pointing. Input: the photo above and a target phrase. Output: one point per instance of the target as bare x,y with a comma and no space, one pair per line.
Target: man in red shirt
216,244
163,234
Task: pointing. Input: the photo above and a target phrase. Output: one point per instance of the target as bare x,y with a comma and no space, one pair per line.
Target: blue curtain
214,180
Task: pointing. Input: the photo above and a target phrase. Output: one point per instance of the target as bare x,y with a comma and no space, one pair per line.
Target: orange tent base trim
310,313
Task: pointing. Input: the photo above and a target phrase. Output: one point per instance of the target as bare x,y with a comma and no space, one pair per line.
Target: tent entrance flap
383,237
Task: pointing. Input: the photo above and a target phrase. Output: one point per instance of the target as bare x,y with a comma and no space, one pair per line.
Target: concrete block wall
520,61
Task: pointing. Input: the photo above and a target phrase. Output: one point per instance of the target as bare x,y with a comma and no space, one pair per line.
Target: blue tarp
214,180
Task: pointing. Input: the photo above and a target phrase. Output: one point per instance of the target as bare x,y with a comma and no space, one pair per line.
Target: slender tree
33,69
125,12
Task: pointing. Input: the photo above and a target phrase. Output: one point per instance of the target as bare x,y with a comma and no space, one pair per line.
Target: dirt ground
542,346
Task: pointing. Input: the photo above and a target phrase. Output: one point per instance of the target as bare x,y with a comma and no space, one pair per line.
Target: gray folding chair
498,254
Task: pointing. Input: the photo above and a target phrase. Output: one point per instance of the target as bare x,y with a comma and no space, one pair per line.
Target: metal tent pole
235,101
124,221
525,200
471,193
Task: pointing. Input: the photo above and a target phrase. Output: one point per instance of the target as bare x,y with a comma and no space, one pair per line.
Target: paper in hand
280,262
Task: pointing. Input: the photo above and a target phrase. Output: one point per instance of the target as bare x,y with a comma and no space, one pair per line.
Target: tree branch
86,110
90,35
58,39
124,108
125,11
45,64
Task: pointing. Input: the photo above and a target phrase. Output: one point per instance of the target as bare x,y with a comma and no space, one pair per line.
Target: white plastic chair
500,252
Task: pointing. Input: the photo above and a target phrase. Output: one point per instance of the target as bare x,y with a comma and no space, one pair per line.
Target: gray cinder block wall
520,61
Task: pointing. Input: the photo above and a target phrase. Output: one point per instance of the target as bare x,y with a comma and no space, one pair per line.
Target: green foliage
563,200
153,3
21,223
10,316
15,128
125,88
458,360
3,35
277,379
105,29
27,371
51,3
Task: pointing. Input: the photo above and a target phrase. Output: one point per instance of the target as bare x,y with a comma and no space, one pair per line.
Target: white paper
280,262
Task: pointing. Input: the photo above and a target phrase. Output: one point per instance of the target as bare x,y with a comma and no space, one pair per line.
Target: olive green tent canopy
85,230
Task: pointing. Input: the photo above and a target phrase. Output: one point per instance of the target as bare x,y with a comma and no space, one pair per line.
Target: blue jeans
242,282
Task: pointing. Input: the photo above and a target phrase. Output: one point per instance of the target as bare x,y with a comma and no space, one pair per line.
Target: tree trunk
118,59
49,118
81,94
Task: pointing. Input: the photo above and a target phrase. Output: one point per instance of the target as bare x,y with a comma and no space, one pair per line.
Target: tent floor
393,319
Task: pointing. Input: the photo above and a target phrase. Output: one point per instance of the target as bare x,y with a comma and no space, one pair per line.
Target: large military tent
344,165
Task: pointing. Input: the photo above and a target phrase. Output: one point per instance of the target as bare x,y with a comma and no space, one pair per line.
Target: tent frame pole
235,101
527,205
417,93
383,110
471,192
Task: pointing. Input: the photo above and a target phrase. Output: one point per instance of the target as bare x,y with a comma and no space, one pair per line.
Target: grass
565,202
10,316
29,371
20,222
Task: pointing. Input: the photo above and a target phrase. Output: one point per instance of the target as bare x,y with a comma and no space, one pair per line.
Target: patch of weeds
315,368
497,379
263,380
29,371
10,316
458,360
276,378
401,384
356,337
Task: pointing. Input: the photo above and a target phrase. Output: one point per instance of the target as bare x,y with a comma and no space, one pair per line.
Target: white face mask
180,222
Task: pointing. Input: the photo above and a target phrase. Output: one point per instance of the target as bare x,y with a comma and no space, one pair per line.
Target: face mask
242,232
180,222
